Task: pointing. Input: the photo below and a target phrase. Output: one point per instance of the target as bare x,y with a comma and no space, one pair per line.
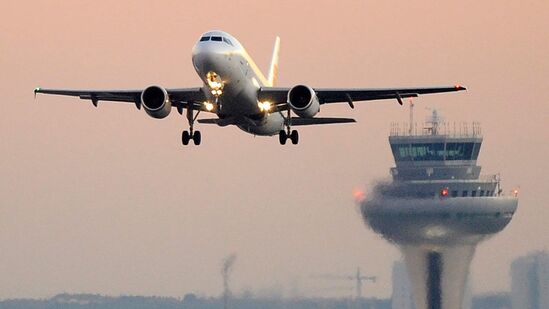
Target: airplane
237,93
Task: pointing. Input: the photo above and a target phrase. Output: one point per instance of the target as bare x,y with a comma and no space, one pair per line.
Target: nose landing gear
216,84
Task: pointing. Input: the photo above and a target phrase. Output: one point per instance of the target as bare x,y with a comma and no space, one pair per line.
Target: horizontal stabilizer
297,121
220,122
208,121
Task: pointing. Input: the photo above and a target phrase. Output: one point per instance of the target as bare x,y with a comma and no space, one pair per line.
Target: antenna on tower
434,122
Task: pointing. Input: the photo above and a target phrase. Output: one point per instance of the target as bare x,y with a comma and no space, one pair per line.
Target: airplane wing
279,96
296,121
180,97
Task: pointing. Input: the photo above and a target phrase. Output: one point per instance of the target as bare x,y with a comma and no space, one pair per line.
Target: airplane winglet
273,70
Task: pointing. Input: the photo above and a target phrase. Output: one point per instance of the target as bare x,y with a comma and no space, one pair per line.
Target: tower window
459,151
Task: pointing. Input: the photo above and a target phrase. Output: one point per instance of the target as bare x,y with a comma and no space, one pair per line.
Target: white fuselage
241,80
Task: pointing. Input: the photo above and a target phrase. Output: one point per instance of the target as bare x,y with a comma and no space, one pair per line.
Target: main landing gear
293,135
186,136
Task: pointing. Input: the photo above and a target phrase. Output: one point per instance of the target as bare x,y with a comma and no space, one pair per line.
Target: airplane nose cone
208,57
209,49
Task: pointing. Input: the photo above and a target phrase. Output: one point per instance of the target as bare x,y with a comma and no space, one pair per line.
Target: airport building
530,281
438,207
401,297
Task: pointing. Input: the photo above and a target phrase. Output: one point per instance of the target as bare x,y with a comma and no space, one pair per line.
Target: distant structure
226,269
437,208
358,278
530,281
401,297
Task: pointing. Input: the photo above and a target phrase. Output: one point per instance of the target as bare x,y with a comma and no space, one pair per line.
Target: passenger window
488,193
454,193
204,38
481,193
474,193
216,38
465,193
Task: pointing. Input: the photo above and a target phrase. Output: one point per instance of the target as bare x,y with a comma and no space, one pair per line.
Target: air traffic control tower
437,207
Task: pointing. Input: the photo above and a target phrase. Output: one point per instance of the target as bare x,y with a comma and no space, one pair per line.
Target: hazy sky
107,200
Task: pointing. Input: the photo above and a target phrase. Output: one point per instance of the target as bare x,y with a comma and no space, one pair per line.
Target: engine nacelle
156,102
303,101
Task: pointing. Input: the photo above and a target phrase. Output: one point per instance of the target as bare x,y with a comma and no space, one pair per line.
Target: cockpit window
216,39
227,41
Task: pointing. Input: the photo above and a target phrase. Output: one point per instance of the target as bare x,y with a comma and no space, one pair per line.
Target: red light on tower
359,195
444,192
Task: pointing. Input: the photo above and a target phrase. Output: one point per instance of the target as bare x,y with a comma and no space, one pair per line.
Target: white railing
452,129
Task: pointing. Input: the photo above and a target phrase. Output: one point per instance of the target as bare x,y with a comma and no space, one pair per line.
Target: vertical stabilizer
273,70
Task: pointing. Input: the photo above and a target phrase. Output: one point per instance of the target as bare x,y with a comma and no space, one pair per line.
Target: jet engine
156,102
303,101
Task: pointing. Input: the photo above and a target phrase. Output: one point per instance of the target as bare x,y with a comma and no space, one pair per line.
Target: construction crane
357,277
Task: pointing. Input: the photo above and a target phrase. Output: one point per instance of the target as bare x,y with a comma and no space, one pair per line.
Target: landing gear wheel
197,137
191,134
294,136
282,137
185,137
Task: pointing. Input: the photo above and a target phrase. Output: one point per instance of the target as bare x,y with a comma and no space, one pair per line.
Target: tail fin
273,71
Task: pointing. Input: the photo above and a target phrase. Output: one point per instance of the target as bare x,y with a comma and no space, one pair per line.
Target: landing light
214,81
214,84
264,106
209,106
515,192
